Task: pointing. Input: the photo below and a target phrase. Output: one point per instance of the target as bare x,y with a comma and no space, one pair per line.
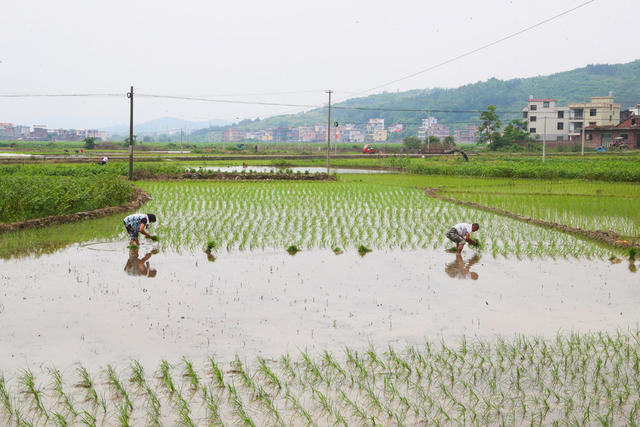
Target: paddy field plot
71,300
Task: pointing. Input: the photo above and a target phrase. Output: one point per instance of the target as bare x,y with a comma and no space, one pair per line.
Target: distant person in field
461,233
104,160
137,223
458,270
139,266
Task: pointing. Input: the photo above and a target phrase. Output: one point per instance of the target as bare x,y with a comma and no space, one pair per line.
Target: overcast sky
265,50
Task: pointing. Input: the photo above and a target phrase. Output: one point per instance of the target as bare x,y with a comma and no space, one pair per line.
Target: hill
509,96
166,125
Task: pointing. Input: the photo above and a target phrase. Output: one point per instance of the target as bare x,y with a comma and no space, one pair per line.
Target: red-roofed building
627,131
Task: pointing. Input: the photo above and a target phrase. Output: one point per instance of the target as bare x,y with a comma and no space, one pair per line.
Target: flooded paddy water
86,303
403,335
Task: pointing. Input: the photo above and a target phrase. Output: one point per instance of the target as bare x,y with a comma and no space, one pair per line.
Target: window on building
532,119
545,104
606,139
561,114
609,118
532,130
559,138
560,126
592,112
592,123
533,107
624,136
524,114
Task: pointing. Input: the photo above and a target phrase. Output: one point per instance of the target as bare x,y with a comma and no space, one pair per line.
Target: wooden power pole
329,133
130,96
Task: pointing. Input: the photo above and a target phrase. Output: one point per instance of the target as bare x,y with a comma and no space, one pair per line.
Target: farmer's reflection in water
459,270
140,266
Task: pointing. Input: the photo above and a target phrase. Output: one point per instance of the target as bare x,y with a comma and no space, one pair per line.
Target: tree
515,131
89,143
135,138
448,141
489,130
411,143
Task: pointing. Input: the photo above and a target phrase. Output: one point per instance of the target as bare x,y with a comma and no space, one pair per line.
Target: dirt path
607,237
140,198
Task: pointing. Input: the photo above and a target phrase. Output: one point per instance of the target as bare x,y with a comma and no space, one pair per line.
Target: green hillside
509,96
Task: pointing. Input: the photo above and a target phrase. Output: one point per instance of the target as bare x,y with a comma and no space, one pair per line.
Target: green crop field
577,379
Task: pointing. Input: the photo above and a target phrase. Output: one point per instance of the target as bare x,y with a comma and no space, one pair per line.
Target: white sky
211,49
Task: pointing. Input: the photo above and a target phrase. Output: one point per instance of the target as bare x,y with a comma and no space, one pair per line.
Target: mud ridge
234,176
607,237
502,193
139,199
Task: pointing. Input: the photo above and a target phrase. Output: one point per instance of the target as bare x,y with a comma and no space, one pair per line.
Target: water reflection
140,266
458,269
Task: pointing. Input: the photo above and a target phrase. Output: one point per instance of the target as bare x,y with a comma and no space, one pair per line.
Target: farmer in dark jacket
137,223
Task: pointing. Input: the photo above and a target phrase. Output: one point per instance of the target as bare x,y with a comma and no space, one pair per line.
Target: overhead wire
478,49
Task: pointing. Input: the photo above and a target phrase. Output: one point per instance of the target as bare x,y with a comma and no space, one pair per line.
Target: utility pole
544,138
582,151
428,131
329,132
180,140
130,96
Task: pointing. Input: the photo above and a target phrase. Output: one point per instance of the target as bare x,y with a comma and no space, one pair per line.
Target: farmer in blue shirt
461,233
136,223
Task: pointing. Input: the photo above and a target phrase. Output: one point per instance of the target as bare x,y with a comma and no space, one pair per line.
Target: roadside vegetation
34,191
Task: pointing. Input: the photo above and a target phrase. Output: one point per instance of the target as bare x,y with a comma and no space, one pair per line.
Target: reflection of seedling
133,246
154,238
293,249
363,250
338,251
452,250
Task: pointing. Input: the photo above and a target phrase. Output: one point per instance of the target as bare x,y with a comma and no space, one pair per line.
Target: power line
465,54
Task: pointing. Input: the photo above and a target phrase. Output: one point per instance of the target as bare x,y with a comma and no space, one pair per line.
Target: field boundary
607,237
142,174
141,197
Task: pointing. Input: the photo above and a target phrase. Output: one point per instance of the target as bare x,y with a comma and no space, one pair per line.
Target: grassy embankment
34,191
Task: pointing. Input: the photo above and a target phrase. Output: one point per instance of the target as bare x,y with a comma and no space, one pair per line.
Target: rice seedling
191,374
363,250
5,398
63,397
293,249
29,388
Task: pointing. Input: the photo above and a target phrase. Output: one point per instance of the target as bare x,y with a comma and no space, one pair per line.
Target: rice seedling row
573,379
267,216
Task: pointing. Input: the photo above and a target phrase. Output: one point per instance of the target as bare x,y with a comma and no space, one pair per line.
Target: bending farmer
461,233
136,223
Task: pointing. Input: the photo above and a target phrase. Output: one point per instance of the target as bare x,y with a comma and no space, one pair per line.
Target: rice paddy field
371,322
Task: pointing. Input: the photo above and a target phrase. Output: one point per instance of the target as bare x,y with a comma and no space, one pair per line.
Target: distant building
379,135
234,135
39,133
544,117
427,125
396,128
466,135
601,111
627,131
372,129
280,134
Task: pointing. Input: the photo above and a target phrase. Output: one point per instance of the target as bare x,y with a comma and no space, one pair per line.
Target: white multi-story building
546,119
601,111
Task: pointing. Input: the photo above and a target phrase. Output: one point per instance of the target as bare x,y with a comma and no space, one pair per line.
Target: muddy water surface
99,304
